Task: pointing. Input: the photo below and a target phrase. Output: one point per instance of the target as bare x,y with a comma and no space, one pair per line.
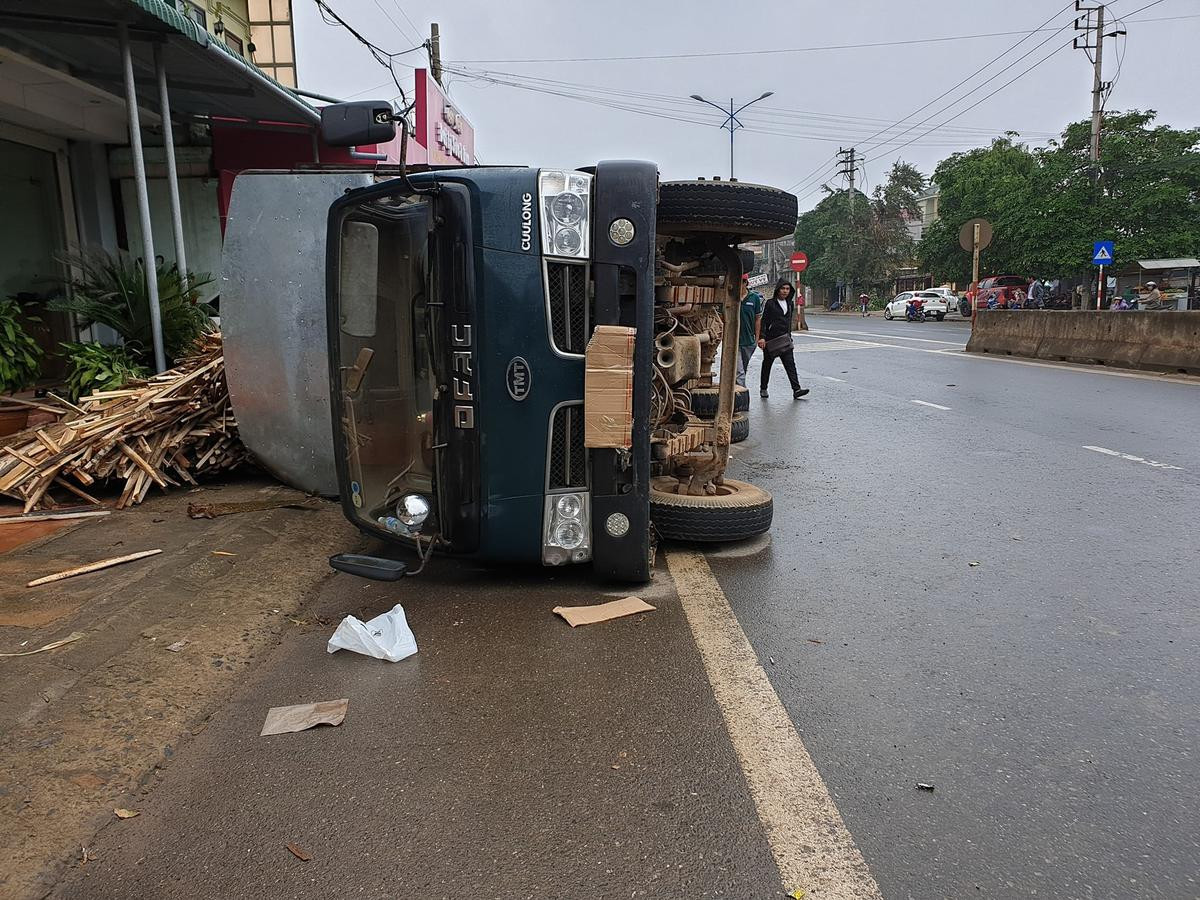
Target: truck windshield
387,378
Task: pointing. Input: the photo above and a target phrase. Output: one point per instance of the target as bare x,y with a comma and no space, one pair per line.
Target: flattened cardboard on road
288,719
602,612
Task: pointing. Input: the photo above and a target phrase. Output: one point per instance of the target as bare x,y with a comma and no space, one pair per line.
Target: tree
865,241
1046,211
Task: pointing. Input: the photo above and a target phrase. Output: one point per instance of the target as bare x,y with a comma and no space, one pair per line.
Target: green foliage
1046,212
113,291
96,367
20,355
864,241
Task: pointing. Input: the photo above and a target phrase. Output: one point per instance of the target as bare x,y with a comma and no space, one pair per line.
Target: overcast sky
822,98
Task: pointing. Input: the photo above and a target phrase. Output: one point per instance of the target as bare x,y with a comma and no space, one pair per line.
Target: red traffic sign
799,261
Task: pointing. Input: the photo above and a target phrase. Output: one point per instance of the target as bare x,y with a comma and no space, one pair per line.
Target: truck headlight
568,531
565,199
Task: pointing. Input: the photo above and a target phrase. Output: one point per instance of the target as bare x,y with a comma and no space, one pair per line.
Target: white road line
813,848
898,337
873,344
831,378
1132,458
1079,369
816,346
927,403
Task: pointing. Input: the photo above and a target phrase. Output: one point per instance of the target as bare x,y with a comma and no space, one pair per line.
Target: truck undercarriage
697,277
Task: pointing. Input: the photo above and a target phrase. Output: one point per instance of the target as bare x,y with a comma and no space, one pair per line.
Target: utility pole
848,161
435,52
1091,41
849,168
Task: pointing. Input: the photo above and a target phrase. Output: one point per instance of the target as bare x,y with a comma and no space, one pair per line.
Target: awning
1184,262
76,40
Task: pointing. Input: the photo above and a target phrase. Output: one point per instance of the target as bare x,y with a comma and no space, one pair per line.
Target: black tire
704,401
941,317
742,211
741,511
739,428
887,314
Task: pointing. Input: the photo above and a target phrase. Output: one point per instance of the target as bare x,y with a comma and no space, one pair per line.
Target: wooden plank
22,457
78,492
43,407
54,516
66,403
47,441
92,567
141,463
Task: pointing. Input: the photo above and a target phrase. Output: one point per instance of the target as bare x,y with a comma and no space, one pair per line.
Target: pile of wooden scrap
164,431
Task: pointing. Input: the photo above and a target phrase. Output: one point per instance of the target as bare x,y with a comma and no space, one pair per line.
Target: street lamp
731,119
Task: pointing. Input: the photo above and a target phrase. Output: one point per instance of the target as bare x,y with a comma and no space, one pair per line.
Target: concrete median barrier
1152,340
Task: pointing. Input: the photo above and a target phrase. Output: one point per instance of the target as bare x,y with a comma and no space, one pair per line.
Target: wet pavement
991,590
966,596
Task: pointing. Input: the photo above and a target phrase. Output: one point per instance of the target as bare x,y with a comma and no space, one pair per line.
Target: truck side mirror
357,122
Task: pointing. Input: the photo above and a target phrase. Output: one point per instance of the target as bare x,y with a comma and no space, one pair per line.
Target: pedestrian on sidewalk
865,302
752,304
774,331
801,325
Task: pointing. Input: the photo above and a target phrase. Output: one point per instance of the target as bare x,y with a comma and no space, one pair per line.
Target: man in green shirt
747,335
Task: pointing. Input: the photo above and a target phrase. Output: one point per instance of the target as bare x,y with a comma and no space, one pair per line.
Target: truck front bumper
624,284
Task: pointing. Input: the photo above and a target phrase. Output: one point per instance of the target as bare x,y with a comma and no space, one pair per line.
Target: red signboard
799,261
446,135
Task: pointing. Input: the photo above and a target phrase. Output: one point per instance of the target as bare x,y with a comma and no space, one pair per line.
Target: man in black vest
774,331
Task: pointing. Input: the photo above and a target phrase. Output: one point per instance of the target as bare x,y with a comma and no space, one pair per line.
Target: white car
935,304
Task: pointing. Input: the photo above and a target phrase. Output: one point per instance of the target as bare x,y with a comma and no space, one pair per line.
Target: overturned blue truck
503,363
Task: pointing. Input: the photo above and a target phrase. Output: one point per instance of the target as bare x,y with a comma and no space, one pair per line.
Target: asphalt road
1002,612
956,591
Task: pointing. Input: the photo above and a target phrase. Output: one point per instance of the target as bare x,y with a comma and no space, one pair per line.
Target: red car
1000,287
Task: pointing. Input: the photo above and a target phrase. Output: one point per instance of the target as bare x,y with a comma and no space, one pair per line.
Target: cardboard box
608,387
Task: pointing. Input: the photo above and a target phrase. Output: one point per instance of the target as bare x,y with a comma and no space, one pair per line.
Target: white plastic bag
384,637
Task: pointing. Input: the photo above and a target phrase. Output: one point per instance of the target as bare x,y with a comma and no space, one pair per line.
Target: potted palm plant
112,290
20,362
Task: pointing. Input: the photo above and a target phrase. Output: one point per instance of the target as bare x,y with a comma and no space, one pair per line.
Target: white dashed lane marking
927,403
1131,458
813,849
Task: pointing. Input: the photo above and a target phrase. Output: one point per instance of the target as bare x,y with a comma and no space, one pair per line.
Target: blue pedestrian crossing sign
1102,253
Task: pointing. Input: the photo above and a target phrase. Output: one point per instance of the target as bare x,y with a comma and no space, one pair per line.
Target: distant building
927,201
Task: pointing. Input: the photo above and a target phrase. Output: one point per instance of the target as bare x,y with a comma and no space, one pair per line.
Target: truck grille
567,303
567,462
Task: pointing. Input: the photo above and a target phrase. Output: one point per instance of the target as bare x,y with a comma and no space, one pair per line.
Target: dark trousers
789,364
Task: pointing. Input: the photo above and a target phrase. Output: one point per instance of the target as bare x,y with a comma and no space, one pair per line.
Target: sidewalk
87,727
512,757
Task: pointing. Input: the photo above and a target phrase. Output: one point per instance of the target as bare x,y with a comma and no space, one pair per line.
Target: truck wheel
738,511
744,211
704,401
739,428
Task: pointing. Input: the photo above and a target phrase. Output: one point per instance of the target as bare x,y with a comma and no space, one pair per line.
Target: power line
804,182
400,30
383,57
417,31
781,50
656,110
973,90
1019,75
